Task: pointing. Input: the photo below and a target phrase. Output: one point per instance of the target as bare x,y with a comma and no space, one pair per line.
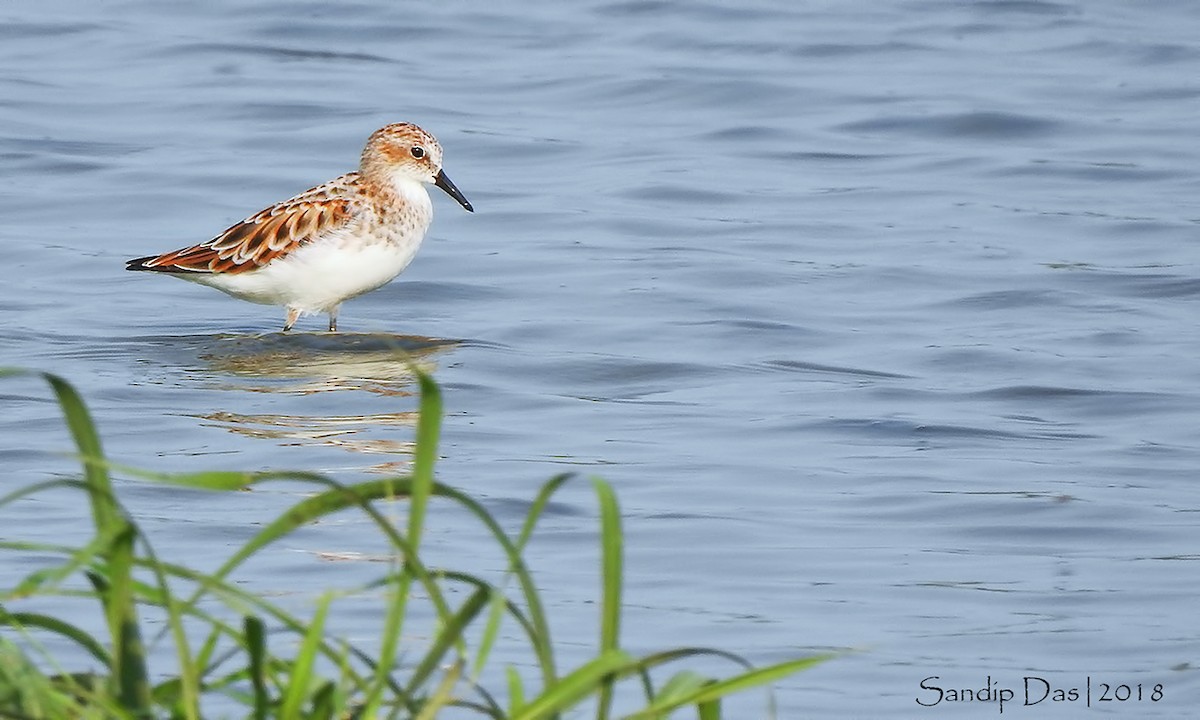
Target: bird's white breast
369,251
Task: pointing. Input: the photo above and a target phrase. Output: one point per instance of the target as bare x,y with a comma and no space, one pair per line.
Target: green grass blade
212,480
429,420
491,630
392,627
59,627
26,692
234,597
39,487
539,506
682,684
448,635
443,694
341,497
324,704
302,669
48,579
187,702
360,495
536,628
611,543
129,653
516,691
718,689
129,661
575,686
87,440
497,600
429,423
335,498
756,677
256,648
709,710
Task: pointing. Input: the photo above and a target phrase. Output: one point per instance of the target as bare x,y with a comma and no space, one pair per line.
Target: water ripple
982,125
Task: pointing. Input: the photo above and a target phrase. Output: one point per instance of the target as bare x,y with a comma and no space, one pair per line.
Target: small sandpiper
331,243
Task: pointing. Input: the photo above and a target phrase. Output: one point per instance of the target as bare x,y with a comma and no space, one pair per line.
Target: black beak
444,183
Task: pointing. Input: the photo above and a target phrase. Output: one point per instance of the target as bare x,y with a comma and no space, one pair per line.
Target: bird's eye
418,152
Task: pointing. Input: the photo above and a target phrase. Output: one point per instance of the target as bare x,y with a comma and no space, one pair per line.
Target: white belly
318,276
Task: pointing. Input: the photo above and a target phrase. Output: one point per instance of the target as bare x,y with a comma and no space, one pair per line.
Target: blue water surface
881,319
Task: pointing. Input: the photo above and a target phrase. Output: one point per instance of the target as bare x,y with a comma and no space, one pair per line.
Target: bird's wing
265,236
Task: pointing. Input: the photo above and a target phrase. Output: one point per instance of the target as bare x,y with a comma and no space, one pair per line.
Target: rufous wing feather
260,238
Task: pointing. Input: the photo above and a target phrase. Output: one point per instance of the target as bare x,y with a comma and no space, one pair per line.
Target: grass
240,650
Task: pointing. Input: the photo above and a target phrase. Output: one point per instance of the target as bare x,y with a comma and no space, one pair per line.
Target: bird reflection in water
306,364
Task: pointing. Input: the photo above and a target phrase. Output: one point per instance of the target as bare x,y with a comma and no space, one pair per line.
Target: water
882,321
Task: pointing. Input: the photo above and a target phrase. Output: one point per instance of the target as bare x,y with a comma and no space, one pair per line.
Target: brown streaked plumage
330,243
263,237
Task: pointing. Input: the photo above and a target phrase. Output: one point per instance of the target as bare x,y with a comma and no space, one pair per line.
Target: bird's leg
292,316
333,318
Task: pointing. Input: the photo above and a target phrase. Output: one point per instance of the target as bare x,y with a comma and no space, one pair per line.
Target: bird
336,241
